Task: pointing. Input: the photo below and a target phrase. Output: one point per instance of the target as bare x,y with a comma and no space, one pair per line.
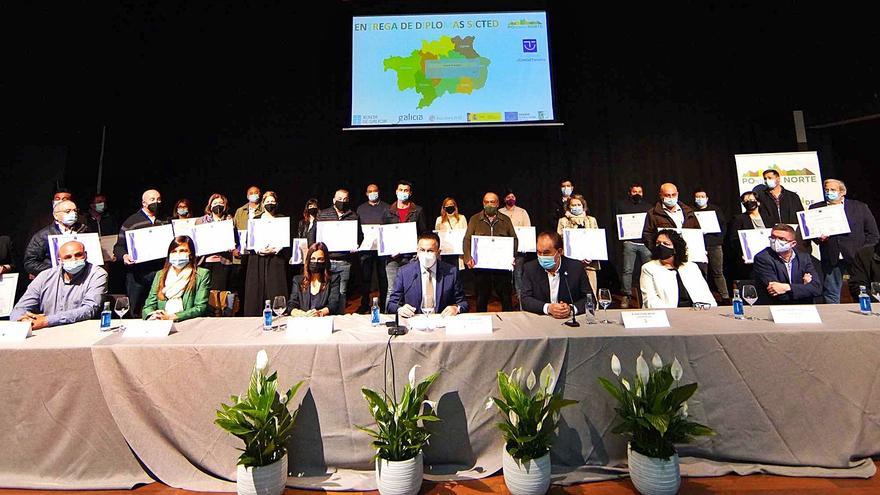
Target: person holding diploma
577,216
36,255
714,244
778,204
402,211
316,291
668,213
520,218
250,210
544,292
267,268
634,251
670,280
68,293
838,251
428,283
180,290
451,219
340,261
489,223
139,276
305,228
182,210
371,213
219,264
751,219
784,275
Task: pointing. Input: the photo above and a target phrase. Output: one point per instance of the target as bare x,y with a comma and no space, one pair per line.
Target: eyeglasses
701,306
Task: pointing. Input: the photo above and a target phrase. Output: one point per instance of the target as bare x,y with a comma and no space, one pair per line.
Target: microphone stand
573,322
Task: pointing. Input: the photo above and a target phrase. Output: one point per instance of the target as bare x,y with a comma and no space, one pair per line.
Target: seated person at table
670,280
68,293
316,291
543,290
427,282
784,275
180,289
865,269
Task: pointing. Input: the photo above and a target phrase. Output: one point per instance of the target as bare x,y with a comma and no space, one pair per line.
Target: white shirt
553,280
677,215
433,271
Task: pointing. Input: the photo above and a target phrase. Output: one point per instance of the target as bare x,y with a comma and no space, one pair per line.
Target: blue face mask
577,210
373,196
670,202
832,195
701,202
178,260
547,262
402,196
73,266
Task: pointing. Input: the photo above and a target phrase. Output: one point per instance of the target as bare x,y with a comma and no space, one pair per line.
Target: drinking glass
427,311
749,295
605,301
121,307
875,290
279,305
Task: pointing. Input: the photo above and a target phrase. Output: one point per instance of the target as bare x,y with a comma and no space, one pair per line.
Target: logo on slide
530,46
356,120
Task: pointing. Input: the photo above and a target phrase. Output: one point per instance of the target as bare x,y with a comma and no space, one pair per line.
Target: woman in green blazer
180,290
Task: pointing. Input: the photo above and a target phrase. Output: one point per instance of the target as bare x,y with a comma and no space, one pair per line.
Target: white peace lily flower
684,409
283,399
514,419
548,378
412,375
530,381
615,364
625,384
676,370
262,360
489,403
540,425
515,376
656,362
642,370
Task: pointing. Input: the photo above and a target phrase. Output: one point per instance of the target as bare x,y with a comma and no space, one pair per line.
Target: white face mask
427,258
770,183
373,196
780,246
566,191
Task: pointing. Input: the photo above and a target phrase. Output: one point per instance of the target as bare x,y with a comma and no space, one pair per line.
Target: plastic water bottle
864,300
738,310
374,312
267,316
106,315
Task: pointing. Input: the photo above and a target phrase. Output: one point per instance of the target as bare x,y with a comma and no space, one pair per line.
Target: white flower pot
531,478
653,476
262,480
399,477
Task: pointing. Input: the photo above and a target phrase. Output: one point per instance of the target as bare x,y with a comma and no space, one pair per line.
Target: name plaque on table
469,325
645,319
14,331
806,313
147,329
311,328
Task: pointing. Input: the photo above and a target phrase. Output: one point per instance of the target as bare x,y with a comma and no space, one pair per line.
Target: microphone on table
396,328
573,322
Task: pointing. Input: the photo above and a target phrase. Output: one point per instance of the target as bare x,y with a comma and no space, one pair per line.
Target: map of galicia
446,65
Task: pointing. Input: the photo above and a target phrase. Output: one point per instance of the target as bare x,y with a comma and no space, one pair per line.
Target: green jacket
195,303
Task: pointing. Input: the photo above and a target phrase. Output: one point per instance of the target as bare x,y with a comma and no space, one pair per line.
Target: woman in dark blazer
750,219
315,292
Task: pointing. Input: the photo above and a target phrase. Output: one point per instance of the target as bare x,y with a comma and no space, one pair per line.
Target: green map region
446,65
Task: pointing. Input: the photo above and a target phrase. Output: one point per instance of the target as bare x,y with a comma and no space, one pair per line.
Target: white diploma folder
149,243
91,242
824,221
451,241
630,226
268,233
495,253
338,236
526,237
214,237
585,244
398,238
708,222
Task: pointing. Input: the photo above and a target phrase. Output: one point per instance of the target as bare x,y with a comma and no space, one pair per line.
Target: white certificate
752,242
398,238
526,237
585,244
469,325
14,331
451,241
268,233
183,226
91,241
708,222
107,244
495,253
797,314
338,236
630,226
149,243
371,238
8,283
695,243
214,237
298,248
825,221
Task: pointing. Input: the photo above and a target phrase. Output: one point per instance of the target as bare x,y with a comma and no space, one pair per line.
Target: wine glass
121,306
605,301
749,295
875,290
279,305
427,311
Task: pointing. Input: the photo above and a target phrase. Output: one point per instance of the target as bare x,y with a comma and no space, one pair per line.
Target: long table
91,410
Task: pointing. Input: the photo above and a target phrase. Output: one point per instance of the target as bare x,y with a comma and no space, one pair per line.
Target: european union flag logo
356,120
530,46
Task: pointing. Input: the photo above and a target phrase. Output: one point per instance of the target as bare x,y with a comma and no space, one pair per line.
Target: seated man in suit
427,281
784,275
543,291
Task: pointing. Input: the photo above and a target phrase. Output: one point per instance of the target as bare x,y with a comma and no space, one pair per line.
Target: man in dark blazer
544,290
784,275
838,251
777,204
427,278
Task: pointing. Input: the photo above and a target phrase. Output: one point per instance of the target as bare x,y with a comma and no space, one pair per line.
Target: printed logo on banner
530,46
798,172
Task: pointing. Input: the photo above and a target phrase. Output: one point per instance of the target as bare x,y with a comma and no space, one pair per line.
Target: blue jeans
343,268
631,252
832,283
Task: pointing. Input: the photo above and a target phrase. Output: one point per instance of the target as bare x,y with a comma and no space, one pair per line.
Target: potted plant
530,419
263,421
400,434
653,416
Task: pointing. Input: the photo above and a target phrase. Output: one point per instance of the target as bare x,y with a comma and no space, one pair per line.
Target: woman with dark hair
670,280
305,229
220,264
180,290
315,292
750,219
266,267
182,210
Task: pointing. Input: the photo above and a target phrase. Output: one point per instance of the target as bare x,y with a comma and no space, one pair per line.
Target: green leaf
680,394
660,422
612,389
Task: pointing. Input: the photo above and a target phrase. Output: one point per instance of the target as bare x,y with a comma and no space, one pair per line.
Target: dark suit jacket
303,299
865,269
408,288
535,291
36,255
789,204
863,232
769,267
416,214
658,218
7,252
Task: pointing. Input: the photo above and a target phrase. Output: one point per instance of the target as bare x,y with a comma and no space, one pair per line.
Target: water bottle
738,311
267,316
864,300
106,315
374,312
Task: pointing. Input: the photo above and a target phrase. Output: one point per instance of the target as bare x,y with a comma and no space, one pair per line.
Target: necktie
429,291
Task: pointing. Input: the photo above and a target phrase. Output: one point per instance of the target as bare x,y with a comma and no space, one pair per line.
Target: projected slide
450,69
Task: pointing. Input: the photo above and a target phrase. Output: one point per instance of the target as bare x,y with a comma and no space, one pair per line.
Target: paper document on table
825,221
585,244
149,243
339,236
630,226
91,242
214,237
494,253
397,238
451,241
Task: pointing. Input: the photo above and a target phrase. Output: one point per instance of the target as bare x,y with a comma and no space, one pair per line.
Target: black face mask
313,211
450,210
317,266
662,252
341,205
751,205
635,198
218,209
270,207
153,208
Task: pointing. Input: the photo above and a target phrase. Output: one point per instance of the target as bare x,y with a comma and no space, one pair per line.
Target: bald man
668,213
139,277
490,222
68,293
65,221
